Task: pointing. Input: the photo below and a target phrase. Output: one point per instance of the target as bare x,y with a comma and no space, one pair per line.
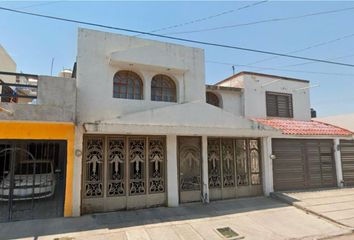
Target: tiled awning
295,127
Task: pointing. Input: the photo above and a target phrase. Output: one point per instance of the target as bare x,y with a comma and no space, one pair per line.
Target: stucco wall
7,64
56,101
231,101
101,55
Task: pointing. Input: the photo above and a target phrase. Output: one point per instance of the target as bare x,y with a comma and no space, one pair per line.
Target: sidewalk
254,218
334,204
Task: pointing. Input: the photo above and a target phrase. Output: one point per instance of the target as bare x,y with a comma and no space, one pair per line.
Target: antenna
51,67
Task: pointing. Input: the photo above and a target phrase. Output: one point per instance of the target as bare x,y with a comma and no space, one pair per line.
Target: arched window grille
127,84
163,88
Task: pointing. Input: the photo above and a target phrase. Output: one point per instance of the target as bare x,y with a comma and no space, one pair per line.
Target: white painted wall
254,98
101,55
231,101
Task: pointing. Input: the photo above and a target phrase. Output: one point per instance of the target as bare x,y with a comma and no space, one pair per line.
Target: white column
338,161
77,178
267,166
205,175
172,171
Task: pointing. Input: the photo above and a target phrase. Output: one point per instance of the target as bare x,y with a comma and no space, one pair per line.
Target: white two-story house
149,132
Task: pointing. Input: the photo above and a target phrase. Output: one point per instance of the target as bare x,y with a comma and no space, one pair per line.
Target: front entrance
303,164
347,156
32,179
123,172
190,169
234,168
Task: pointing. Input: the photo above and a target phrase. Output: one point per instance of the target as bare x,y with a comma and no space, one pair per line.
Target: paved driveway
334,204
253,218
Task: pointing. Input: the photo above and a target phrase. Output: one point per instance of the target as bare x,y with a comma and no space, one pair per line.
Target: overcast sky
33,42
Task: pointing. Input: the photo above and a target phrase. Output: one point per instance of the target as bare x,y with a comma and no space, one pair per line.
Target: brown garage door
303,164
347,155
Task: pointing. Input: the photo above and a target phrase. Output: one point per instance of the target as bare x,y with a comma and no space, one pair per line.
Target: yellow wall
46,131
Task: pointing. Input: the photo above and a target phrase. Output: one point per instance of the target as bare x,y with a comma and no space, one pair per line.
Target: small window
163,89
212,99
127,84
279,105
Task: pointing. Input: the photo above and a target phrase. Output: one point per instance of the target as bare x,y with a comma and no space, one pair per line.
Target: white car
32,180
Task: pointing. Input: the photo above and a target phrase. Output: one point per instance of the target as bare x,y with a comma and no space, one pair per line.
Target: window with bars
163,89
128,85
212,99
279,105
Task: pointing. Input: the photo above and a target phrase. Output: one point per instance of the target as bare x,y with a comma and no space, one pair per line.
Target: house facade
148,132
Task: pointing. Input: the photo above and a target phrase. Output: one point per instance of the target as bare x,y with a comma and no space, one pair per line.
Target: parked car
31,180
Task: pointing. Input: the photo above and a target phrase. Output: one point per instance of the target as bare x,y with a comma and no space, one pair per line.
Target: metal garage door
347,155
303,164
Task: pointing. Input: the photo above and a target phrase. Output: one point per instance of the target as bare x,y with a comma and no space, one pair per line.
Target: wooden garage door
303,164
347,155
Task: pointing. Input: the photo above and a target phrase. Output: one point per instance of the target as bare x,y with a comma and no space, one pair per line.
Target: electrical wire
208,17
281,69
261,21
306,48
176,38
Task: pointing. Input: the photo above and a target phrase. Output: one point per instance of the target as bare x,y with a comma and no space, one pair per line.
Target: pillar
267,166
172,171
338,162
205,175
77,178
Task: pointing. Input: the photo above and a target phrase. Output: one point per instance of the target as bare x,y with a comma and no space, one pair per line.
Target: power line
209,17
307,48
305,63
263,21
177,38
281,69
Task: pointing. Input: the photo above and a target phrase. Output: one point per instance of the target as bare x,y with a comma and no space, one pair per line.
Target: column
205,176
338,162
267,166
172,171
77,178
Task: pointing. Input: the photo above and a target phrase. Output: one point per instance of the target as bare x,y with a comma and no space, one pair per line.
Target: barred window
279,105
163,89
212,99
127,84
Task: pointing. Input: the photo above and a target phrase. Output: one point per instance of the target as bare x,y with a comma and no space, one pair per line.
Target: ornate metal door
32,179
123,172
190,165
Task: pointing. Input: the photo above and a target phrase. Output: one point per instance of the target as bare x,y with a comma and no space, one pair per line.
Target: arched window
212,99
127,84
163,89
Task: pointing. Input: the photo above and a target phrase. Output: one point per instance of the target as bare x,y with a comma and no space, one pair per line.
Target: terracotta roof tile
295,127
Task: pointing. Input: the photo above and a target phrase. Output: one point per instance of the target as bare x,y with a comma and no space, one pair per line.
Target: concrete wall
230,101
7,64
254,98
344,121
56,101
101,55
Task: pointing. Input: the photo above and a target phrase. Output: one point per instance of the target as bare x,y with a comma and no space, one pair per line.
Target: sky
33,42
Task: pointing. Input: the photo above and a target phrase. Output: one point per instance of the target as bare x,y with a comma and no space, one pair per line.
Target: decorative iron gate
123,172
234,168
32,179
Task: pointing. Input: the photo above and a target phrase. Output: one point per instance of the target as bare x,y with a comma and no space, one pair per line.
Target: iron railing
11,92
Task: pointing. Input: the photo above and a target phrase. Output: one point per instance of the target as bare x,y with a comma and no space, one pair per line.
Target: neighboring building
149,132
7,64
345,121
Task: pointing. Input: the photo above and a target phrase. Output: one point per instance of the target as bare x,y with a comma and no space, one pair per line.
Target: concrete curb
288,200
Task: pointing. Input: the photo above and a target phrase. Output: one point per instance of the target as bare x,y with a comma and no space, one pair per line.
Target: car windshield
33,168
